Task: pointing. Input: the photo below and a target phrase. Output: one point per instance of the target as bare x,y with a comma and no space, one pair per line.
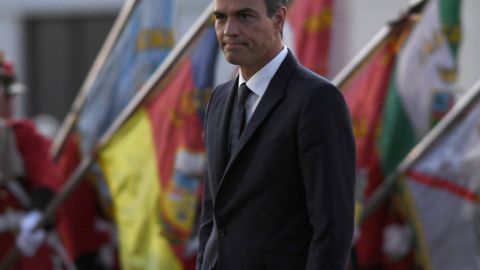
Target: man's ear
279,18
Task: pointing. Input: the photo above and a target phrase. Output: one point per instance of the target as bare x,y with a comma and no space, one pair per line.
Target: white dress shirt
258,83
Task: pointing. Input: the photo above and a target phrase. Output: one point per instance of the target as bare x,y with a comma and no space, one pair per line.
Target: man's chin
234,59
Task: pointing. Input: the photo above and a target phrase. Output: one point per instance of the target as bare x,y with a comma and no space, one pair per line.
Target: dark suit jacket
285,198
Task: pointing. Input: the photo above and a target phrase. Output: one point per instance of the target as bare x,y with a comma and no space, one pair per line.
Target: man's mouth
232,45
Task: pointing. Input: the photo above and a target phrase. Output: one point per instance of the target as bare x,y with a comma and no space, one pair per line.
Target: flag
420,92
78,216
154,163
144,42
309,24
369,86
416,93
444,196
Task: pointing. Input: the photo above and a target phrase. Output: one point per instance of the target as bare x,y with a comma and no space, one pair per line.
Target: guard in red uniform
28,181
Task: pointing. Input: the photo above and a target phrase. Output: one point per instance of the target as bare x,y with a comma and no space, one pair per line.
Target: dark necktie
238,124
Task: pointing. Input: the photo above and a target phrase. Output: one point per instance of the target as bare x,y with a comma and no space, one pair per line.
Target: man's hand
27,240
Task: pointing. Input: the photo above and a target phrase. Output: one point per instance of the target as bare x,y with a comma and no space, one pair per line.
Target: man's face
247,36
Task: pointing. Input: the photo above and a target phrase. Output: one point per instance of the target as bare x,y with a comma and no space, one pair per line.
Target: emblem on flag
441,104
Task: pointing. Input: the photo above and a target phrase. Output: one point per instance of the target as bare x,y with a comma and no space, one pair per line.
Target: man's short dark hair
274,5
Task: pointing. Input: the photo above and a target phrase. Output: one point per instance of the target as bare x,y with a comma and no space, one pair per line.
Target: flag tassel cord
86,87
471,98
77,175
350,70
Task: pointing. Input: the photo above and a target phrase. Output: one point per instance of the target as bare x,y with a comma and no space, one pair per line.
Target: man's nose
231,28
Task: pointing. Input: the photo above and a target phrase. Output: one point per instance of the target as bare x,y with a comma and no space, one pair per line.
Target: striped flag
154,164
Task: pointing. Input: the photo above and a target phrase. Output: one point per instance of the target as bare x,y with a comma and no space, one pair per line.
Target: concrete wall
13,14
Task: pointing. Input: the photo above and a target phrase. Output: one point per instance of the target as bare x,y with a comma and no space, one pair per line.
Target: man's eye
245,16
219,17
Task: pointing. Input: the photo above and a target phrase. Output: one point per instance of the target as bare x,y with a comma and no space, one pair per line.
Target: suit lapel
223,123
272,96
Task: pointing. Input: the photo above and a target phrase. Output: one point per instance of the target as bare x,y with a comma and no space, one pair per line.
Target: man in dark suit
279,194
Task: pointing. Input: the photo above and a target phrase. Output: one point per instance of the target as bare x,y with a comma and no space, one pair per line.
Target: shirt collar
258,83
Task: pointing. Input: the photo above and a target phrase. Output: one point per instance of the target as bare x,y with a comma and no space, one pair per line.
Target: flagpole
362,57
86,87
349,71
77,175
472,97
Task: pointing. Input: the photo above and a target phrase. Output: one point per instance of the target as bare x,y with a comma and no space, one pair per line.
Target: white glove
28,241
397,240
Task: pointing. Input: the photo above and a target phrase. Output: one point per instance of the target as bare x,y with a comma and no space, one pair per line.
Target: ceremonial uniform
36,173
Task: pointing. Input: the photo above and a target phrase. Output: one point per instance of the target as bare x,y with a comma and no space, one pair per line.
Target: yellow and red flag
154,164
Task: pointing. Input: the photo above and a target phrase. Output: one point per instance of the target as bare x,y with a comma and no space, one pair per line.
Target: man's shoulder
226,85
218,93
299,72
304,73
223,88
304,78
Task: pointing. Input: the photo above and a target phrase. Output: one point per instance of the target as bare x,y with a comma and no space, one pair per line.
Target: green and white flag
395,100
420,91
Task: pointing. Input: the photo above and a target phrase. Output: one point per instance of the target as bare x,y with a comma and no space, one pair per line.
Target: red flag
76,217
365,97
365,93
311,21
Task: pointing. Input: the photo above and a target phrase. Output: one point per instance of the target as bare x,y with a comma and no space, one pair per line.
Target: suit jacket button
221,232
